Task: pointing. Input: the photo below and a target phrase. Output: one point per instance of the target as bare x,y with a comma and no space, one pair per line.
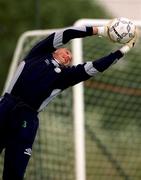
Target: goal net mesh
112,115
112,122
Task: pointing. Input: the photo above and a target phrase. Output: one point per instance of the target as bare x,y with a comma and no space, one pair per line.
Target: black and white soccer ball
122,30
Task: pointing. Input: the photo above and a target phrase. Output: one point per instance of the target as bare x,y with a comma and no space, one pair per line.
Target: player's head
63,56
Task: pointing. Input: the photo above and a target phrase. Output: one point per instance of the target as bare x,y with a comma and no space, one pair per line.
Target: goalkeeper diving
44,72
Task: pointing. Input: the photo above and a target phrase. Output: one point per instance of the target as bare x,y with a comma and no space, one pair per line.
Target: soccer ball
122,30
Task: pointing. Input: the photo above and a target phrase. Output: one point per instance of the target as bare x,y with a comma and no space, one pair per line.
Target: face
63,56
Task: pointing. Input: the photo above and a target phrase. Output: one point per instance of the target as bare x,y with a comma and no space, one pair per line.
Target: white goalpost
78,90
79,120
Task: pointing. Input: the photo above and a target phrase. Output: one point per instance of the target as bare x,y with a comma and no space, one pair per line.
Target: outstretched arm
75,74
59,38
82,72
103,63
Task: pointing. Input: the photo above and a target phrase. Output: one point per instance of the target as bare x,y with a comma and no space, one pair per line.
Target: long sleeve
57,39
103,63
75,74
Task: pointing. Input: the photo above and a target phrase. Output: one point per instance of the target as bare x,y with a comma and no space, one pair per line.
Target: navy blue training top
39,77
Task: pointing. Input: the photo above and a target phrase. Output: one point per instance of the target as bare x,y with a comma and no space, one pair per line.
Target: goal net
112,112
92,131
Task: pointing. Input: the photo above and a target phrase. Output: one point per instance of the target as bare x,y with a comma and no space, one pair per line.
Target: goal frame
77,46
78,90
